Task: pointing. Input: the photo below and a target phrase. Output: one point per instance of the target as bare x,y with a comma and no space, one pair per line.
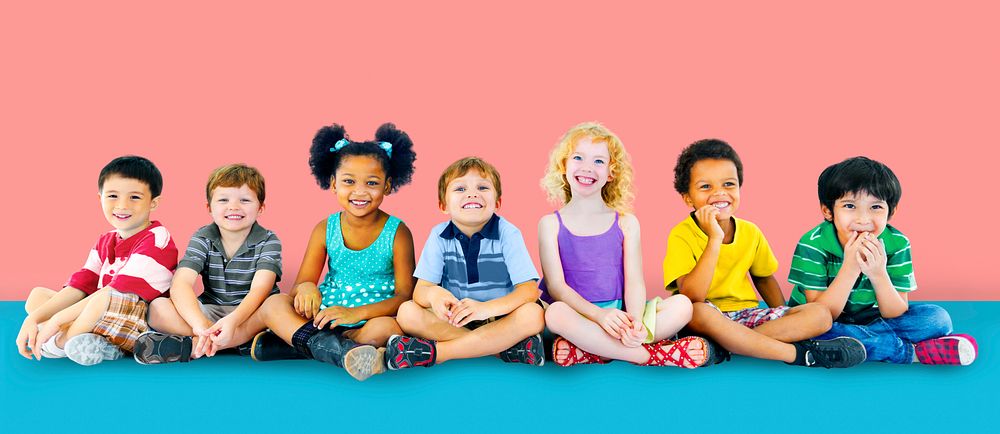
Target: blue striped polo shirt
483,267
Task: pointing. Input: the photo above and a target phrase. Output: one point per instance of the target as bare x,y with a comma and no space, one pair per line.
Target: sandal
674,353
577,356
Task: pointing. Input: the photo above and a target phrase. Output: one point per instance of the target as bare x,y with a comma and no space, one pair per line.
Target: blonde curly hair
617,193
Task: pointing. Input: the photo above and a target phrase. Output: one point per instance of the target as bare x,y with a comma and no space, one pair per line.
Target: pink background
794,87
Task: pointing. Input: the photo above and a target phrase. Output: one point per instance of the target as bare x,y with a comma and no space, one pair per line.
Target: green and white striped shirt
819,256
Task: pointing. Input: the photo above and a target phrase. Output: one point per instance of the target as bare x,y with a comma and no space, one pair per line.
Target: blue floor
235,394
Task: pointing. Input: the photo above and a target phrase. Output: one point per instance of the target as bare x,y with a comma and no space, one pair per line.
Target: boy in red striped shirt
102,308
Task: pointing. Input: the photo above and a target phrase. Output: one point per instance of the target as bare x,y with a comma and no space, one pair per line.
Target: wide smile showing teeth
122,216
721,205
472,206
360,203
234,217
585,180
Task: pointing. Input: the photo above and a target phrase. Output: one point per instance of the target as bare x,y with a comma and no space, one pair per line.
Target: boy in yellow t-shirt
709,255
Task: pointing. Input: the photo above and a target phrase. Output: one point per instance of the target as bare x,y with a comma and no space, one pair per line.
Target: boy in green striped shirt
860,267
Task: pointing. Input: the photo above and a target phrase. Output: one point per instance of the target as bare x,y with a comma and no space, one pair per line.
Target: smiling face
235,209
587,167
857,212
470,201
360,184
126,203
714,182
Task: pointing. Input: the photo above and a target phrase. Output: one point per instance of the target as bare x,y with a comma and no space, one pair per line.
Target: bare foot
564,353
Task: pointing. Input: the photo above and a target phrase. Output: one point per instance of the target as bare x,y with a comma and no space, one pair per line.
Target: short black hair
857,175
398,167
133,167
705,149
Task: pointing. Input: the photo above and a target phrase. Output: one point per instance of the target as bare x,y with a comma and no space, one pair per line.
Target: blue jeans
891,340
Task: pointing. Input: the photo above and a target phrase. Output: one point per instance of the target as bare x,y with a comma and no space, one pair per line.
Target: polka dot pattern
358,277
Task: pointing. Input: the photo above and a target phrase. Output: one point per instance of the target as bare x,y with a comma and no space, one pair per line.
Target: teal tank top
358,277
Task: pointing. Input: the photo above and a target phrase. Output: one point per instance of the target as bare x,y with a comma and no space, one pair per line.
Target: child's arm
184,300
635,283
60,319
403,263
305,292
467,309
872,261
27,336
769,290
695,284
555,280
439,300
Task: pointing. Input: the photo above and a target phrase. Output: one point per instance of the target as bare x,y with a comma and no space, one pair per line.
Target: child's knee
160,312
273,304
529,318
678,306
410,315
377,331
932,318
558,315
819,314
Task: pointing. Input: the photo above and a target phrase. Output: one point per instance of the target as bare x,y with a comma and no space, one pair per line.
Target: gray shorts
215,312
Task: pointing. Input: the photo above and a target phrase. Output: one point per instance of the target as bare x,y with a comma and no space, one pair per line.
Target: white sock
51,350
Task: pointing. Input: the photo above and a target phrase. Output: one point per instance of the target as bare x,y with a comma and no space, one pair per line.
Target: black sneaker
842,352
719,354
407,351
267,346
154,348
528,351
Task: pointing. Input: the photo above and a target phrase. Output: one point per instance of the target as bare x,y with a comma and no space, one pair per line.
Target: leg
164,318
799,323
417,321
375,332
97,305
588,335
921,322
492,338
278,313
37,297
672,315
736,338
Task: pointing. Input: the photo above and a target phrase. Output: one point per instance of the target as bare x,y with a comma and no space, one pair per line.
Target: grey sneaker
90,349
841,352
155,347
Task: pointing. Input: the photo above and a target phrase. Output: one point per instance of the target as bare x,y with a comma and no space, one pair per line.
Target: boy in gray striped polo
860,267
477,288
239,262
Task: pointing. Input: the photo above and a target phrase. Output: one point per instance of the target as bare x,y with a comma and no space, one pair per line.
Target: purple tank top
592,265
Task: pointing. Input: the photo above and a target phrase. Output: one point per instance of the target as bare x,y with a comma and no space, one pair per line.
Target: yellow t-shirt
731,288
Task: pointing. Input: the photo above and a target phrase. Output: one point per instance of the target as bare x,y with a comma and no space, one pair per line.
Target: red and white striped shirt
143,264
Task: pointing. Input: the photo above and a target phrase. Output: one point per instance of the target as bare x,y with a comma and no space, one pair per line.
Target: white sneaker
50,350
90,349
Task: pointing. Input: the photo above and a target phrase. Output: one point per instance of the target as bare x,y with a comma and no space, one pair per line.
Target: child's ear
827,214
498,204
154,203
687,200
260,210
443,206
388,186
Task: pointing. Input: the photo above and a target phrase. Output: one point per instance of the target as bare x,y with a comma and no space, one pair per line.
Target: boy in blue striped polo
477,288
861,268
239,262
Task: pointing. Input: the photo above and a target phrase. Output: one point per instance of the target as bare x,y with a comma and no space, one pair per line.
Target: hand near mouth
708,220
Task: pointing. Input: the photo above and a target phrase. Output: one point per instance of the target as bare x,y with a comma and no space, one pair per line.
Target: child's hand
204,345
708,220
615,322
221,334
871,255
635,335
466,311
851,249
336,315
48,330
307,301
26,338
441,306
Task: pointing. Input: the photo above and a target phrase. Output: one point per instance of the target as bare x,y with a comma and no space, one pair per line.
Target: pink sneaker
960,349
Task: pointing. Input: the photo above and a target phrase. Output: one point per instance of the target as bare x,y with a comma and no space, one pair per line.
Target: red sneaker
957,349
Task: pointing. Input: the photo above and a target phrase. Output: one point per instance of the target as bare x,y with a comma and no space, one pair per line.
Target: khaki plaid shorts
124,320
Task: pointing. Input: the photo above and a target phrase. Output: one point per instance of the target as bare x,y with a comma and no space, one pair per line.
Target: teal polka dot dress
358,277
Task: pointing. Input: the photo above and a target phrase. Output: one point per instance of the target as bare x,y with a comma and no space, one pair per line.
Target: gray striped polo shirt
227,281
